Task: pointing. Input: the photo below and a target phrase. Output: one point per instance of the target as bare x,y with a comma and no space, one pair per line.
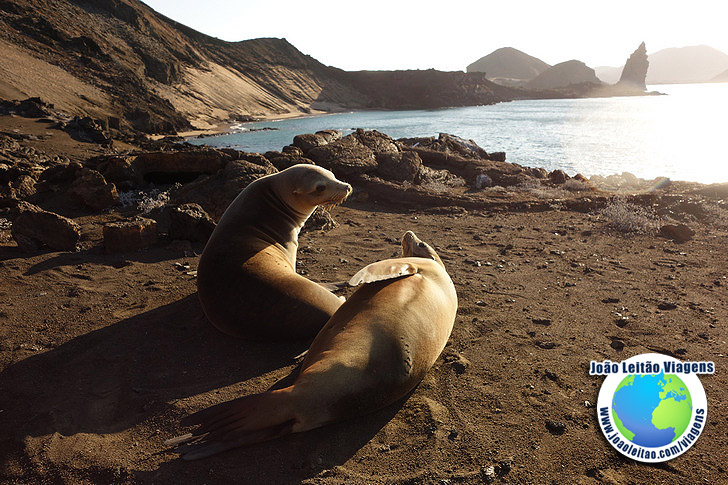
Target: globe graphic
652,410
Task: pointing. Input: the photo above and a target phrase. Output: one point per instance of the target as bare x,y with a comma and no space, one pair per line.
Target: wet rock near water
34,228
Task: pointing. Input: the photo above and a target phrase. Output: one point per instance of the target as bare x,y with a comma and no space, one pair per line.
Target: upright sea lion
246,278
374,350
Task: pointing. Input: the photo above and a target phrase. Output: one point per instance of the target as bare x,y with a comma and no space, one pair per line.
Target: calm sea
682,135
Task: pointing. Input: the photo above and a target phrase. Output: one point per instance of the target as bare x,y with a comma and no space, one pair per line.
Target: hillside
509,65
677,65
141,70
564,74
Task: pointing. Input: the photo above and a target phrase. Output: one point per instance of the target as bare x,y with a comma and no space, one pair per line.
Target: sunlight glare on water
680,136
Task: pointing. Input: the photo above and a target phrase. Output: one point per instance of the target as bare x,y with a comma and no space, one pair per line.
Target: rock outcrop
635,70
131,235
34,227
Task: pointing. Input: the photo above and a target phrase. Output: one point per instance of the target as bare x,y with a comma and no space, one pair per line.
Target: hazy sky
449,35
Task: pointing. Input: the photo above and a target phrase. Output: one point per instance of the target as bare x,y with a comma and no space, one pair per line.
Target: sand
101,355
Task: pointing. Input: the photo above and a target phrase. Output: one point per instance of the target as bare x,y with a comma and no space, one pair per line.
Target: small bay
682,135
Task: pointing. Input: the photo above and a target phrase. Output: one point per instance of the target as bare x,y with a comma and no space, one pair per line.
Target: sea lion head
412,246
306,186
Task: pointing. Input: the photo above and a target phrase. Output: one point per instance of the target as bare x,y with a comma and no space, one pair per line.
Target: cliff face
563,75
635,70
426,89
125,60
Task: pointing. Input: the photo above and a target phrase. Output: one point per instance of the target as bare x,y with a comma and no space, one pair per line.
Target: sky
449,35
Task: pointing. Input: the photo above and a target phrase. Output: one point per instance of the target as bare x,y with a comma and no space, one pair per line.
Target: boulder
58,176
497,156
375,141
120,171
170,167
677,232
482,181
345,157
131,235
329,135
91,189
87,129
293,151
320,220
463,147
190,222
35,227
558,177
398,166
214,193
309,141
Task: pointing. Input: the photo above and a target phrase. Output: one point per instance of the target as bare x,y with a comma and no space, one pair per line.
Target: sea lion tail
244,421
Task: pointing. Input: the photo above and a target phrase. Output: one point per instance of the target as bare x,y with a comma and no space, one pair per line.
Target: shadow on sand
114,378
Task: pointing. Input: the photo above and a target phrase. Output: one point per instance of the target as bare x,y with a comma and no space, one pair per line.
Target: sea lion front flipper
383,270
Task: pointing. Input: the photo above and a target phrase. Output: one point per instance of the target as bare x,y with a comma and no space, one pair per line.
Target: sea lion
246,278
373,351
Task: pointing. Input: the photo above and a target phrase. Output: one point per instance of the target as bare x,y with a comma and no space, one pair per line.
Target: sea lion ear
382,270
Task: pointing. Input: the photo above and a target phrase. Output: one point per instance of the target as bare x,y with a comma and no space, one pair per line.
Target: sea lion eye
320,188
422,245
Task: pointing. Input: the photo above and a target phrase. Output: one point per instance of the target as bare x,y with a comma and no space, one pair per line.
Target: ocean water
682,135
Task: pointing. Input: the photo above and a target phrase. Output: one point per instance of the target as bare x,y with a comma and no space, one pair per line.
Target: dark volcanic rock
131,235
634,73
169,167
30,108
91,189
376,141
558,177
87,129
320,220
677,232
345,157
190,222
399,166
214,193
58,176
308,141
34,227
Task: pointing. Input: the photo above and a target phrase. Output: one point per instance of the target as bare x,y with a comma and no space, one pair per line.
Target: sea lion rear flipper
382,270
243,421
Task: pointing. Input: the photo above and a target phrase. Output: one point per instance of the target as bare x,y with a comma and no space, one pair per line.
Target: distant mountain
509,64
721,78
564,74
693,64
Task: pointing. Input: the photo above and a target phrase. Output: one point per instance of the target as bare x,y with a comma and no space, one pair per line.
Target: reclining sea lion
373,351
